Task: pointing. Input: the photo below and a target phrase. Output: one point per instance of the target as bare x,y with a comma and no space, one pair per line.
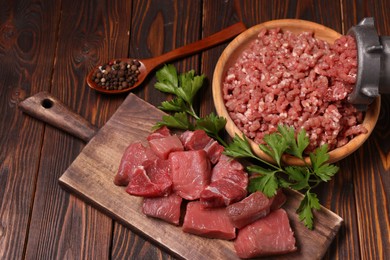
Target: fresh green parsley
266,177
301,178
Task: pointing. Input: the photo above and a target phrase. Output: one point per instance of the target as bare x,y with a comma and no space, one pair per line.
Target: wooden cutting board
91,176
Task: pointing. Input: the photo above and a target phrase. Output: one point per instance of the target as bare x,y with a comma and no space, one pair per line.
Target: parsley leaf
322,169
327,171
266,183
319,157
212,125
309,202
299,177
178,120
276,146
190,84
239,148
167,79
296,146
176,104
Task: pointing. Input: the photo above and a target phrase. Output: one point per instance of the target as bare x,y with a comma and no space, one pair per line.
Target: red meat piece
270,235
211,223
159,174
278,200
214,151
135,155
220,193
159,133
228,168
141,185
190,172
199,140
162,147
195,140
246,211
166,208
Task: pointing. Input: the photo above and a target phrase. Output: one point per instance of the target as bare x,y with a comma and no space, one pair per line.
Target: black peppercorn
117,74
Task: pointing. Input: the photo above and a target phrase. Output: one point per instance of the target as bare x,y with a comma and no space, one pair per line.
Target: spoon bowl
146,66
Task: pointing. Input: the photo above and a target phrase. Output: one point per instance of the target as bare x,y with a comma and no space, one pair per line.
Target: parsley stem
220,140
267,163
192,112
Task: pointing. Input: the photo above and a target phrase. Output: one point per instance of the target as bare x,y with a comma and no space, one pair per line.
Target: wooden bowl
241,42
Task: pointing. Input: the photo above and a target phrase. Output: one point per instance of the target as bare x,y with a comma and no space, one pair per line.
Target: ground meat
297,80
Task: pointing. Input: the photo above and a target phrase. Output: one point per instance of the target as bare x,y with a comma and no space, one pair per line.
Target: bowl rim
370,117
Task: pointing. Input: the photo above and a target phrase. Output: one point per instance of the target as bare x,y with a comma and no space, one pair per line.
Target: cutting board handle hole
47,103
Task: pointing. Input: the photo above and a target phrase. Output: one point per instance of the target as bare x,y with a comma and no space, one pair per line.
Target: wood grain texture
23,70
52,45
217,15
157,29
91,176
89,33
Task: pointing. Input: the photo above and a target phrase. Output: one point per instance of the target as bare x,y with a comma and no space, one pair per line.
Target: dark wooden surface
52,45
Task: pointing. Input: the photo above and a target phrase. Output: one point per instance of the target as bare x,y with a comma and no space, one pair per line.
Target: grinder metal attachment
373,75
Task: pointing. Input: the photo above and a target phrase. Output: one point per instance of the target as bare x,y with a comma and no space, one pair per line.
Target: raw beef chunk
214,151
211,223
190,173
165,208
159,174
195,140
270,235
135,155
165,145
278,200
141,185
228,184
220,193
246,211
228,168
199,140
159,133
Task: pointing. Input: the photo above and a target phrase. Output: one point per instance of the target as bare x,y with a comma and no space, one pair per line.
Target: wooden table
50,46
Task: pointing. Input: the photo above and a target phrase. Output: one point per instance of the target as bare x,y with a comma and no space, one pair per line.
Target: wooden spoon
148,65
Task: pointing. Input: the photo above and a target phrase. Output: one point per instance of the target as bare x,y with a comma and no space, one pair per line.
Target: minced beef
296,80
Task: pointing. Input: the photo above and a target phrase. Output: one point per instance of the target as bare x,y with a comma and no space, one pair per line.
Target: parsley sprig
271,177
184,87
266,177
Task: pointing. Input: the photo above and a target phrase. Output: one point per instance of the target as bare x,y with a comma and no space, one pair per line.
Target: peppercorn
117,74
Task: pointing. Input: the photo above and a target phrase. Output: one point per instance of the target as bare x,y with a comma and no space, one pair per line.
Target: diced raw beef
162,147
220,193
190,173
166,208
185,136
228,168
159,174
211,223
135,155
159,133
246,211
195,140
199,140
228,162
141,185
267,236
278,200
214,151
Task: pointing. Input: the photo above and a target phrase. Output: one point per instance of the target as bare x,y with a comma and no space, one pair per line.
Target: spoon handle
197,46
